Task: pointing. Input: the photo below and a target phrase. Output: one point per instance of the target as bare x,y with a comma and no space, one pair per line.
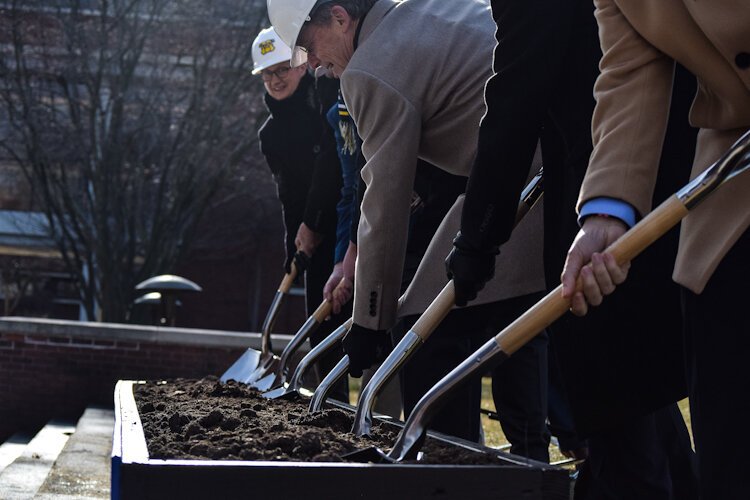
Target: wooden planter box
136,476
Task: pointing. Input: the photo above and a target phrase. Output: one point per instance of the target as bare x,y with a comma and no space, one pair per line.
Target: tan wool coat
640,40
414,87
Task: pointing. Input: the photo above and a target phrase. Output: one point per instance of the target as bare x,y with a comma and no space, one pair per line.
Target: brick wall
57,368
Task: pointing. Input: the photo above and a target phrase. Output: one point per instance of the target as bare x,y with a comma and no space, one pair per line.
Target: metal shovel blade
245,365
277,377
264,383
285,391
266,363
288,392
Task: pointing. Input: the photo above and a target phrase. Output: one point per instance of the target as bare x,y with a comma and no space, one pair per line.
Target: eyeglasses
268,75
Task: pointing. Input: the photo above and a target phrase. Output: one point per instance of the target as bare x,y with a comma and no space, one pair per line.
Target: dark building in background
236,252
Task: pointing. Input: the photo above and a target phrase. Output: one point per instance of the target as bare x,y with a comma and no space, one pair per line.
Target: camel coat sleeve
390,127
633,93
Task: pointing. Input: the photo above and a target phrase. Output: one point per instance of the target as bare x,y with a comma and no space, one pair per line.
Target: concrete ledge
137,333
23,478
12,448
82,469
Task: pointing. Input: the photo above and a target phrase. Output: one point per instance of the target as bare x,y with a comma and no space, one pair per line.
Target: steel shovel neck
732,163
412,435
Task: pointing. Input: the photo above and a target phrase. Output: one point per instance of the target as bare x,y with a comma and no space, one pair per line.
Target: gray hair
321,14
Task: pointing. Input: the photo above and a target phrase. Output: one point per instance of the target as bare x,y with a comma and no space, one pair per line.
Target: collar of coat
372,18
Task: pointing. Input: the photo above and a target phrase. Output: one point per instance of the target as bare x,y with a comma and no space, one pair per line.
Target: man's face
330,46
281,81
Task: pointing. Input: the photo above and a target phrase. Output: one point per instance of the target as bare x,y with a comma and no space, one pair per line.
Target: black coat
300,149
624,359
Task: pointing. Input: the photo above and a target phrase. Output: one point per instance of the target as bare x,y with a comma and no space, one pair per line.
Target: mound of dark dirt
207,419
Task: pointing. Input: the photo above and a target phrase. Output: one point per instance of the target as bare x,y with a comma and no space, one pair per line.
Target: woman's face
281,81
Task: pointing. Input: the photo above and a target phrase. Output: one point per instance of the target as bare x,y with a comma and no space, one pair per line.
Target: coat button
742,60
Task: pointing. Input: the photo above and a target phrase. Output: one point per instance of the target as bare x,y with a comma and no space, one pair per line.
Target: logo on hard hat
266,47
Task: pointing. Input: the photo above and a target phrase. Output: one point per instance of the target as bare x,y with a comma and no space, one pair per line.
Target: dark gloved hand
301,260
469,269
365,347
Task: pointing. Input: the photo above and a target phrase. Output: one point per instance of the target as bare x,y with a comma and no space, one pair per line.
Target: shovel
276,376
735,161
294,388
422,329
253,364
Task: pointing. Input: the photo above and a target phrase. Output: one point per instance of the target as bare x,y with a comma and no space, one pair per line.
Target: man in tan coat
641,42
413,93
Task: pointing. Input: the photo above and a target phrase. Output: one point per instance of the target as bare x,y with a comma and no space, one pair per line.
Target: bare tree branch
129,118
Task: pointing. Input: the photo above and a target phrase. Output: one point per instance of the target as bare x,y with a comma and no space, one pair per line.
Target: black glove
469,269
301,260
365,347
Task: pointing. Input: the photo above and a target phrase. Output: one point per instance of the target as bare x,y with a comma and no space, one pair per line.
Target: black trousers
649,458
717,335
318,272
519,384
559,416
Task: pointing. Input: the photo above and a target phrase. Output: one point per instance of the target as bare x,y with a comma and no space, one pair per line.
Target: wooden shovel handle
627,247
323,311
286,283
436,312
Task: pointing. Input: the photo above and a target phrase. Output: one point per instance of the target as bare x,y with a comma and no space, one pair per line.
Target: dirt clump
192,419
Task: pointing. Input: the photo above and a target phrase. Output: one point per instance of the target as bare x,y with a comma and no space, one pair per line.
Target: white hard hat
287,17
269,49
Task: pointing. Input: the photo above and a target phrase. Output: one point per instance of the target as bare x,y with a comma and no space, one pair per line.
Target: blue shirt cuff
608,206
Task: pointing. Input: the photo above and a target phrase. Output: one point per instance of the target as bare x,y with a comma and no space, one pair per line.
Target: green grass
354,384
685,409
493,434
